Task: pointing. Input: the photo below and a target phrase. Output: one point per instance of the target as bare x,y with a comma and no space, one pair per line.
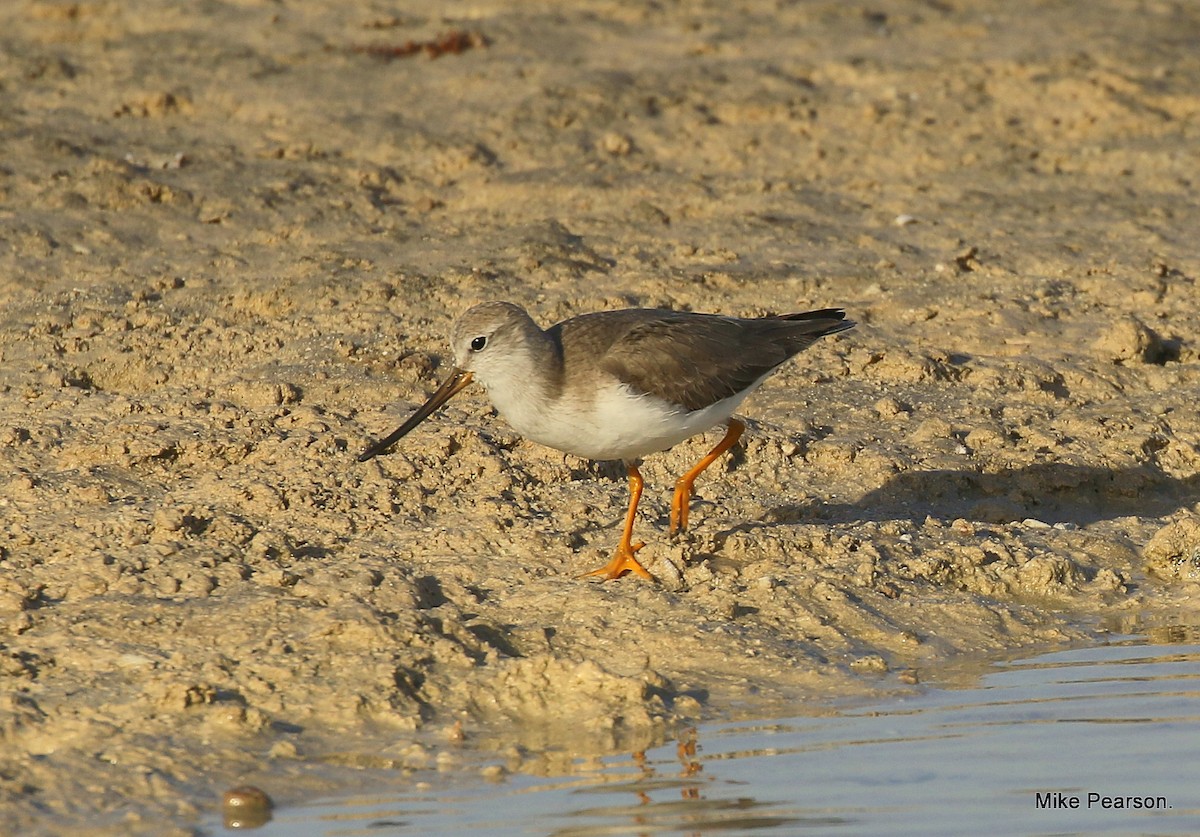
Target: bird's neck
529,380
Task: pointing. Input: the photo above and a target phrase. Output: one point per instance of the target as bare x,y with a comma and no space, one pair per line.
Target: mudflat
235,235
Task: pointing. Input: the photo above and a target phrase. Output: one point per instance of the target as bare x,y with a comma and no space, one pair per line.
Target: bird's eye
478,343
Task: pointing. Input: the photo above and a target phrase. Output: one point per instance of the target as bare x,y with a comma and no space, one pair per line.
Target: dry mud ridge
234,237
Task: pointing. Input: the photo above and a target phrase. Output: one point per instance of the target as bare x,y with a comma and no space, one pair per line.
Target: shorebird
621,385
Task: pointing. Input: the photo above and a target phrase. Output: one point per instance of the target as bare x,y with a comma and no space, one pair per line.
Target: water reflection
656,809
1116,722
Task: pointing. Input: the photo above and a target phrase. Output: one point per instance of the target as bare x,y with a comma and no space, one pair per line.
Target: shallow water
1008,756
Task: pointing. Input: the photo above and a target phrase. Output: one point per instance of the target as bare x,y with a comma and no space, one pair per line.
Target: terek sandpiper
621,384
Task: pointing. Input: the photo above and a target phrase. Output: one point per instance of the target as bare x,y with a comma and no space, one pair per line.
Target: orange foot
679,507
683,488
621,563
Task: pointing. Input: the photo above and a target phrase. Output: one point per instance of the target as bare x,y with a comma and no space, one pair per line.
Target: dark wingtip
822,314
825,321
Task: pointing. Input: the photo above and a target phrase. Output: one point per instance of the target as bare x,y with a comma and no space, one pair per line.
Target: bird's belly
617,423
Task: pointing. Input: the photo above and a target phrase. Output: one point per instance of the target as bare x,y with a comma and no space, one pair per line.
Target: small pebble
616,144
246,807
889,407
869,662
668,573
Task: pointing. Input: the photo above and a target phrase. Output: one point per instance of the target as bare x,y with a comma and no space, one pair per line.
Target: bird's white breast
610,422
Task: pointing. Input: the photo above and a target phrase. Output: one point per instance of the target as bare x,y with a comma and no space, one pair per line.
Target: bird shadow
1051,492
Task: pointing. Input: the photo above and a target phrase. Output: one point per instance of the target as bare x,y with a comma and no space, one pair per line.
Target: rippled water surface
1110,726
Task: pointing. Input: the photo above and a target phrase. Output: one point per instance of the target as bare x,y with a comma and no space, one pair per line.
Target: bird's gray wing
695,360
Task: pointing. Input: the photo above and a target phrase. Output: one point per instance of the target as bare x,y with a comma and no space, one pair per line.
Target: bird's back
696,360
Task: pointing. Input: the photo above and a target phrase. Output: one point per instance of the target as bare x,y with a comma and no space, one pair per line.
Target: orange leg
683,488
623,561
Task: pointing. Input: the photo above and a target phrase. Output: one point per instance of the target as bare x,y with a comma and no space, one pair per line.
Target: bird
620,385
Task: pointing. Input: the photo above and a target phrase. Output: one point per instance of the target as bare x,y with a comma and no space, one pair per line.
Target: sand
235,236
